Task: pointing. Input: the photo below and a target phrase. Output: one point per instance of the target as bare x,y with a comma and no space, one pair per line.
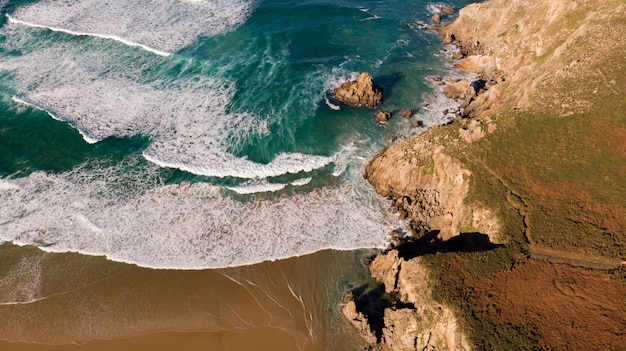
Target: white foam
187,119
122,214
331,105
257,187
8,185
302,181
226,165
343,158
160,26
435,7
104,36
85,134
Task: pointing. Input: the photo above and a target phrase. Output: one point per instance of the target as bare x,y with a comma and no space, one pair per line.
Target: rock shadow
431,243
387,83
373,303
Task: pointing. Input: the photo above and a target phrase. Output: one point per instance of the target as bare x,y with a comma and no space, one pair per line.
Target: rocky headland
522,185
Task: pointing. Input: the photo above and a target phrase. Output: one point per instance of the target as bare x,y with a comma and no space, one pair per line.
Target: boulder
360,92
383,116
459,90
446,10
407,113
436,18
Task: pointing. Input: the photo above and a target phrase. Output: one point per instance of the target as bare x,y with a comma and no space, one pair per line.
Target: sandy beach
75,302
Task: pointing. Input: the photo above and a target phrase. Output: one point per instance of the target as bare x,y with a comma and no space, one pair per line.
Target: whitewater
243,157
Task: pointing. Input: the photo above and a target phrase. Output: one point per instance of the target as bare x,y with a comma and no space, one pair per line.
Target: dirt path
573,258
545,254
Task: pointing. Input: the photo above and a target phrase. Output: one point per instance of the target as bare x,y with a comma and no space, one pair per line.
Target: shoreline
464,211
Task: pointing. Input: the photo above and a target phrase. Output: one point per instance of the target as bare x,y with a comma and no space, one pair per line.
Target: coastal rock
447,10
407,113
360,92
462,90
383,116
473,132
405,317
385,269
436,18
359,321
449,38
482,64
433,183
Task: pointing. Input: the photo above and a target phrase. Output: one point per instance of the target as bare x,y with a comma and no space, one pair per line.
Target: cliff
534,172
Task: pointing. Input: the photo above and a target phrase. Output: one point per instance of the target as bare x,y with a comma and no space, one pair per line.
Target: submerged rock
360,92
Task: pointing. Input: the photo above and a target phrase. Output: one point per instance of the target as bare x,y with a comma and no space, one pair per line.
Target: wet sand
76,302
260,339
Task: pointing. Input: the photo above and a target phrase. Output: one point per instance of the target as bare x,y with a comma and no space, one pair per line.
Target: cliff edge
516,208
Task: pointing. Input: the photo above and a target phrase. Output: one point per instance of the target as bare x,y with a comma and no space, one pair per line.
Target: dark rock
360,92
445,112
478,85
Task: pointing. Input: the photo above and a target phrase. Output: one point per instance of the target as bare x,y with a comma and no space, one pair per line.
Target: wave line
105,36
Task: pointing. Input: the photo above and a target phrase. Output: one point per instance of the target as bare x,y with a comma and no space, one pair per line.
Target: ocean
182,167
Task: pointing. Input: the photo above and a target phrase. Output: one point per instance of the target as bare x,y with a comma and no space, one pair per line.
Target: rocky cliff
529,57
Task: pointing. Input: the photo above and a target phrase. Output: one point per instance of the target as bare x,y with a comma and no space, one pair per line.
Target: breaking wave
160,26
126,214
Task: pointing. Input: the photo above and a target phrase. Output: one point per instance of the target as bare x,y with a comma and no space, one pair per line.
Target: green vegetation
554,174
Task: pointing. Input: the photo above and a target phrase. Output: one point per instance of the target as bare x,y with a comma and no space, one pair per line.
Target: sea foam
132,217
98,92
160,26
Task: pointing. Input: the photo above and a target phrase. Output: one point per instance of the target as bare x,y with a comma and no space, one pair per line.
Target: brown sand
69,299
259,339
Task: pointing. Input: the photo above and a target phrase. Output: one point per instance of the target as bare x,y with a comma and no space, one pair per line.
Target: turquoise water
192,134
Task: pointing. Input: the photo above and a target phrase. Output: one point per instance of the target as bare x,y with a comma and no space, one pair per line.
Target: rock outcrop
400,314
514,47
427,186
360,92
383,116
516,50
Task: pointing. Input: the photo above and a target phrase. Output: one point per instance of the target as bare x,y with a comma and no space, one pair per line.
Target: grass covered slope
541,170
562,154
